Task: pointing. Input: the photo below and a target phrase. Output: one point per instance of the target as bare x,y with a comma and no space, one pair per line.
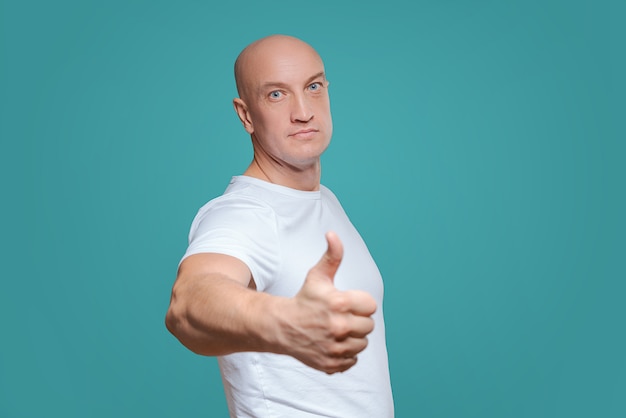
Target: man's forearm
215,315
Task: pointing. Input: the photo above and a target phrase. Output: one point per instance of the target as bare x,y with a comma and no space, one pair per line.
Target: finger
348,348
360,303
344,356
340,365
353,327
329,263
360,326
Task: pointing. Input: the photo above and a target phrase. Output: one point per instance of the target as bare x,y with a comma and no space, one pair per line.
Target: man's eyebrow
279,84
318,75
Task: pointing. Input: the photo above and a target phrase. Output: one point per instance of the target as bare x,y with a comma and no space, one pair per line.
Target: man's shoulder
328,194
234,205
238,195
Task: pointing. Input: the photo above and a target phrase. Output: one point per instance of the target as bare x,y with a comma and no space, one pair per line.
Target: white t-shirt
279,233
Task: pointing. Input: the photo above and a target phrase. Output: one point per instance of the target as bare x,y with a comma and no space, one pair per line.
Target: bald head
284,105
267,51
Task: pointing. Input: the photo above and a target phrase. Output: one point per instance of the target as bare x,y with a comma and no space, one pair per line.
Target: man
287,326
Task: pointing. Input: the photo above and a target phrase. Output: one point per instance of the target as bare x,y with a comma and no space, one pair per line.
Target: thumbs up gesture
323,327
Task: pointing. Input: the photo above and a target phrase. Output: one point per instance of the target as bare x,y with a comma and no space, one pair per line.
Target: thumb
329,263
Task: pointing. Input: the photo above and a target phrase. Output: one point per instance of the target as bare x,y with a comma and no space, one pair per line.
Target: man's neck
307,179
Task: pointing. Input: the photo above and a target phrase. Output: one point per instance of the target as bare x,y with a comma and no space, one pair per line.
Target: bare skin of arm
214,311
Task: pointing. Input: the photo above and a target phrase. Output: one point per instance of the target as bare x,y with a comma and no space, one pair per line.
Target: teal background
478,147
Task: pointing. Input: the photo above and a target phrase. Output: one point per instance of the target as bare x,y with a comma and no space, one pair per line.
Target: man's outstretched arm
214,312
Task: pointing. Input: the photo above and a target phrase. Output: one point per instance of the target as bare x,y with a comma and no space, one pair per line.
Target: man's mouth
304,133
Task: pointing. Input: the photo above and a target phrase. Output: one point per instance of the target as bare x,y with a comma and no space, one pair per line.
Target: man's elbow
179,327
172,322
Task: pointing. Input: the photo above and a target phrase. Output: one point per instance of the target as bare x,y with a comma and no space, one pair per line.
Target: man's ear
244,115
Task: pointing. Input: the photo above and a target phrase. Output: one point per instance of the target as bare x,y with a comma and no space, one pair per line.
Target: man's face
288,108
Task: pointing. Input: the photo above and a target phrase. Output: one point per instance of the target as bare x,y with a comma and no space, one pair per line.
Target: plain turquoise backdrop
478,147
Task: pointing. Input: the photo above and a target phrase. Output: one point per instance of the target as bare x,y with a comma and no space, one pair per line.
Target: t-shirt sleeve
242,228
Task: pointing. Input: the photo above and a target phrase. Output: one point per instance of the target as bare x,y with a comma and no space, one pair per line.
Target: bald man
276,281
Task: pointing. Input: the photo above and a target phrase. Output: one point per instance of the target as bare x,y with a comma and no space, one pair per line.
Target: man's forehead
287,69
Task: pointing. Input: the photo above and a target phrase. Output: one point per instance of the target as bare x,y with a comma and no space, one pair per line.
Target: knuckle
329,365
336,351
364,344
339,302
359,345
338,365
366,300
339,327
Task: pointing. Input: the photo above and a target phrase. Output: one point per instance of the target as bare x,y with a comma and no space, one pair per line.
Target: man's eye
275,95
315,86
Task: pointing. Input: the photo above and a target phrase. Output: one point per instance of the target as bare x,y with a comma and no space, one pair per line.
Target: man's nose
301,110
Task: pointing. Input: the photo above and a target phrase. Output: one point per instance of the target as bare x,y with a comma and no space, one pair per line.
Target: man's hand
323,327
214,312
